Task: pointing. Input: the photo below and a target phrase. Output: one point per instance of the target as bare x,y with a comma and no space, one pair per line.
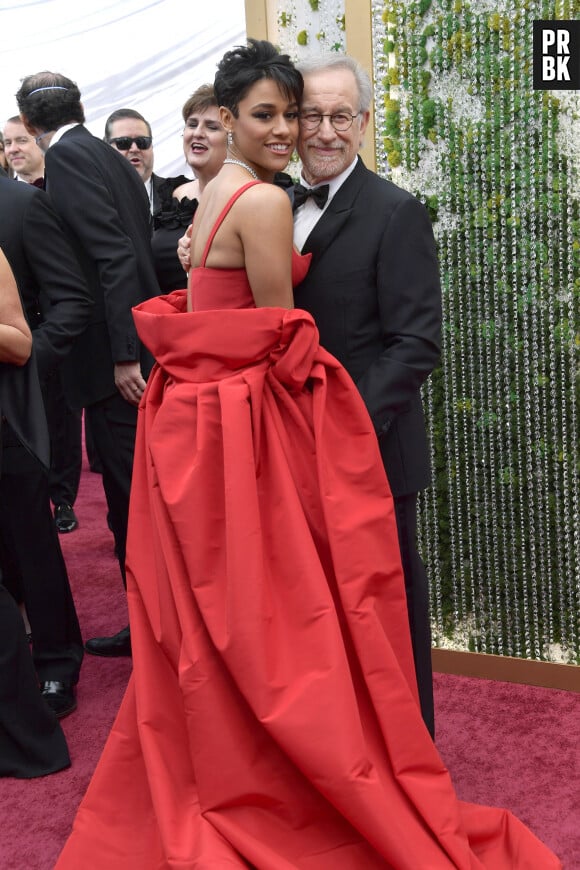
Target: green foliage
508,228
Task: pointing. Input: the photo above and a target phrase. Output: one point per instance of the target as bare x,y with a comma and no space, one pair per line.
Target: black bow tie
318,194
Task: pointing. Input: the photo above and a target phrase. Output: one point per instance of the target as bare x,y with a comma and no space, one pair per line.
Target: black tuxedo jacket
104,206
54,293
373,289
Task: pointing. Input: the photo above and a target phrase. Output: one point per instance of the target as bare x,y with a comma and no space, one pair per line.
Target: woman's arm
266,231
15,336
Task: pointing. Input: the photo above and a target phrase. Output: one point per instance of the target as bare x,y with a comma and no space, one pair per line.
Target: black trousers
417,590
31,740
65,430
113,424
32,563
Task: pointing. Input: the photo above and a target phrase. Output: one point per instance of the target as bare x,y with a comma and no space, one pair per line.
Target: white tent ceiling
144,55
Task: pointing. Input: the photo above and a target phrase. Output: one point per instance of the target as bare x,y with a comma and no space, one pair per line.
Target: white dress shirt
149,188
307,216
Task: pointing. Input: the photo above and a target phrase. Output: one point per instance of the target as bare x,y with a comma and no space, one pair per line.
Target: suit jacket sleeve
94,220
409,299
63,293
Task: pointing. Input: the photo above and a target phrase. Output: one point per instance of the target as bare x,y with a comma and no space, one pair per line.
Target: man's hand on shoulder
184,249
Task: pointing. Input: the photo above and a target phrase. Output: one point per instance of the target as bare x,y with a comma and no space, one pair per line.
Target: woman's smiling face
265,131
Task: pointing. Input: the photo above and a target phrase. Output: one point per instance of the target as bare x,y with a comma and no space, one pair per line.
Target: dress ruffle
272,718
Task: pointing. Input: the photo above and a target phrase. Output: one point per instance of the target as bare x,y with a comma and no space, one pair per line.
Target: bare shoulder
189,189
265,197
266,192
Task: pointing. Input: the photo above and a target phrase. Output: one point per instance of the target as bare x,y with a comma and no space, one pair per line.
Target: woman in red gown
272,718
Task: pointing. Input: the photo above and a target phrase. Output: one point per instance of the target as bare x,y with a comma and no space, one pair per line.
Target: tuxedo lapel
325,231
336,215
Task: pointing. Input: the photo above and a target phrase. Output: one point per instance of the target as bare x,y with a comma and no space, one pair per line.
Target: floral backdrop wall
498,166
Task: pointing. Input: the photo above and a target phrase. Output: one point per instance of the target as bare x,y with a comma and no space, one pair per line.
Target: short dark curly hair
50,100
245,65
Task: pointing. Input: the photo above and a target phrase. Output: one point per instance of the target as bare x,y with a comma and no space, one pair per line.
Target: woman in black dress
31,740
204,146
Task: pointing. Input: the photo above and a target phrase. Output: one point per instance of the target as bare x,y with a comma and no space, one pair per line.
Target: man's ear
29,128
364,121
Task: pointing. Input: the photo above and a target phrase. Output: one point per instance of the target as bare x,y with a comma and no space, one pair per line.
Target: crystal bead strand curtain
498,165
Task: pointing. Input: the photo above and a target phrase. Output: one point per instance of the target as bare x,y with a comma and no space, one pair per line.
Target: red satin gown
272,718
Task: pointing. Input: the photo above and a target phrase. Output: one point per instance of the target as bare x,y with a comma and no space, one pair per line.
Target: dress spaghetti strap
222,216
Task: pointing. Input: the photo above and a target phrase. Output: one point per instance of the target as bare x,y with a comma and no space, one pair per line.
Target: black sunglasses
123,143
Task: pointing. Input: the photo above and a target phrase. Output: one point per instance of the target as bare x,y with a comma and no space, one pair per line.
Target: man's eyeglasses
340,121
123,143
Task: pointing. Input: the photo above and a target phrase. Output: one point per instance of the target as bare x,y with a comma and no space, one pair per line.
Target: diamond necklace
243,165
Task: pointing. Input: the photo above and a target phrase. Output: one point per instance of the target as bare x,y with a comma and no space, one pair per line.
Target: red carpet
507,745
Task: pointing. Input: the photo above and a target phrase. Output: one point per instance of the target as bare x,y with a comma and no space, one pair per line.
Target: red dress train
272,718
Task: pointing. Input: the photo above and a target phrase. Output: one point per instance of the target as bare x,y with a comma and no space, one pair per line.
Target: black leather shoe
60,697
65,518
117,645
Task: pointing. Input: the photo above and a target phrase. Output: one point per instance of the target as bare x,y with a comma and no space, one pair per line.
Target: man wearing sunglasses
129,132
106,213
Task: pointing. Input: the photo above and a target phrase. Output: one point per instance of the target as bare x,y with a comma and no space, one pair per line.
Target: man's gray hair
343,61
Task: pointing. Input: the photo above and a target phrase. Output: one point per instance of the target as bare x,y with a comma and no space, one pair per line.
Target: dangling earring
230,138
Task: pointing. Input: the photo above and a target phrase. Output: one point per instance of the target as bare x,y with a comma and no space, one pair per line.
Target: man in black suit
105,210
129,132
26,160
373,289
57,305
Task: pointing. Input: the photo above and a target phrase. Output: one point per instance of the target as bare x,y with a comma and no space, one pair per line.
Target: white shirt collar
334,183
61,131
307,216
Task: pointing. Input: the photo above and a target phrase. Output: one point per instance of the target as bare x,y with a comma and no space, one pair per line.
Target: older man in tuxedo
105,210
373,289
